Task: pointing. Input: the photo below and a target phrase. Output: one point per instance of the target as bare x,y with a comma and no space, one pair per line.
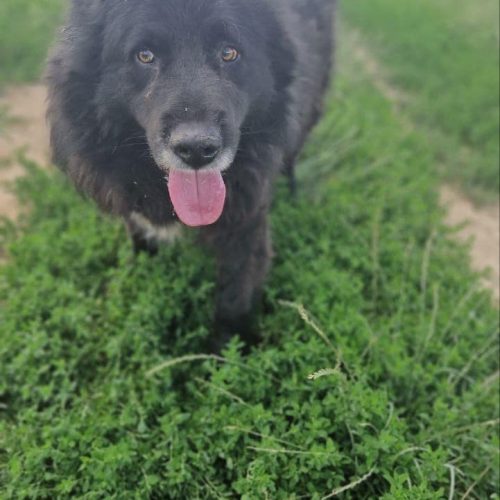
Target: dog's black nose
196,147
197,153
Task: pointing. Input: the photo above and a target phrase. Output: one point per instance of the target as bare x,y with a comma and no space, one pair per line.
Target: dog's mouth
198,196
195,183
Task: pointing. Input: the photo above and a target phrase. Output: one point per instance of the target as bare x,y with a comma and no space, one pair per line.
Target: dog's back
312,22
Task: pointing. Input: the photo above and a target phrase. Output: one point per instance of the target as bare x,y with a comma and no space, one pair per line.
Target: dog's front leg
243,255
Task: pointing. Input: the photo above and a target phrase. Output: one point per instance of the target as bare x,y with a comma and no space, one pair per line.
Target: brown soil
482,227
27,132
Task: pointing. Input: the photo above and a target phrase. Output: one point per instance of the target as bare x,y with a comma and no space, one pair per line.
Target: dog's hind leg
291,176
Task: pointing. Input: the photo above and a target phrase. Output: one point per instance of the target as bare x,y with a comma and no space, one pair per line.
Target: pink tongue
198,196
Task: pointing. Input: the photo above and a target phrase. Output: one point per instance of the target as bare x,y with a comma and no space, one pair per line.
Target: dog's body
145,93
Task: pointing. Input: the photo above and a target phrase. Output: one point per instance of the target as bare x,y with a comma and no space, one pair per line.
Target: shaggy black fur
110,115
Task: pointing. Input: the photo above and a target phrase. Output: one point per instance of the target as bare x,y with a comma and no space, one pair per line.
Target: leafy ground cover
377,376
445,56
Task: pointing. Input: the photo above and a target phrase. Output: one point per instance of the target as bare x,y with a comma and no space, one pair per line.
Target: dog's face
192,73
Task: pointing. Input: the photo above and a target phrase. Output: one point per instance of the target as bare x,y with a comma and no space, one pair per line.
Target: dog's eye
230,54
145,56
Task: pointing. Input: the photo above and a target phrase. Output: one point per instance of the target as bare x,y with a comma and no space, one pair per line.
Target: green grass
445,56
407,410
26,29
3,118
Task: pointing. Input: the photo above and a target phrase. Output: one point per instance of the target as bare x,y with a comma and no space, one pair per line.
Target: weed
26,29
105,391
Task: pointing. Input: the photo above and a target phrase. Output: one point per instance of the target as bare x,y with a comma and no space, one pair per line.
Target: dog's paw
225,329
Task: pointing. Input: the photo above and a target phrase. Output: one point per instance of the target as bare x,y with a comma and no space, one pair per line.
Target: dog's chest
149,231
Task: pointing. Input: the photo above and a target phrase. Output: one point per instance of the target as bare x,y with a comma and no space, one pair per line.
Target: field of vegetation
377,376
444,56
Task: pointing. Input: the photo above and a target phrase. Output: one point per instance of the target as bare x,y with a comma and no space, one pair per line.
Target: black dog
167,110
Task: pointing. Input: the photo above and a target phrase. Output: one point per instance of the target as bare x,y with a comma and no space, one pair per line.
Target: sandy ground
482,227
25,132
28,132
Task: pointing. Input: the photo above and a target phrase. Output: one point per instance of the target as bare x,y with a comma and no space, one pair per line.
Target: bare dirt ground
27,131
482,226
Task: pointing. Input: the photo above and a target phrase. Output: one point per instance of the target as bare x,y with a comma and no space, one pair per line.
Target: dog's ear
283,62
80,40
72,74
84,8
281,51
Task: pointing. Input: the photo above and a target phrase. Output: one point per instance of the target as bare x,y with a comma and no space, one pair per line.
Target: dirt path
482,227
28,131
25,131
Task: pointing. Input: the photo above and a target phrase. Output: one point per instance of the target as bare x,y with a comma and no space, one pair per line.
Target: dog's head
195,75
191,72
